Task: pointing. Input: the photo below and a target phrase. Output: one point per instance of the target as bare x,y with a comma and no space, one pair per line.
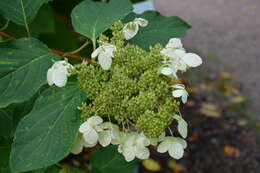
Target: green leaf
44,18
4,159
23,68
47,133
21,12
6,123
58,41
159,30
108,160
92,18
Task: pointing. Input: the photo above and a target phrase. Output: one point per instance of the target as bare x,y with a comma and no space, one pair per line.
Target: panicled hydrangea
135,92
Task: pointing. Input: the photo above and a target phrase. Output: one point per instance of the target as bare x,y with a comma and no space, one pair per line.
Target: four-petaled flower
90,130
178,58
174,145
131,28
58,73
105,53
134,145
179,91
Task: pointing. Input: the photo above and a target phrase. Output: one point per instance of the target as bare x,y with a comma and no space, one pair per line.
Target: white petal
88,145
142,141
192,60
90,136
180,52
83,127
182,128
109,50
174,43
78,146
104,138
184,97
182,142
96,52
49,76
178,86
59,78
129,153
168,52
167,71
130,30
142,22
164,146
176,151
142,153
105,61
95,120
177,93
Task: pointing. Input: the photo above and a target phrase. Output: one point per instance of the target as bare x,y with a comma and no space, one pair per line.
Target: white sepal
58,73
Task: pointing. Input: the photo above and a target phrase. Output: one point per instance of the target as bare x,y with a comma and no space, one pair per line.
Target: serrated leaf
92,18
159,30
47,133
108,160
21,12
23,68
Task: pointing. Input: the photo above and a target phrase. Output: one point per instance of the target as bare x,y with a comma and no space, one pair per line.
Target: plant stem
28,30
7,35
5,26
80,58
78,49
76,57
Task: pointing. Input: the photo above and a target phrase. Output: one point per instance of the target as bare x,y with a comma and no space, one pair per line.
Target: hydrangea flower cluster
132,96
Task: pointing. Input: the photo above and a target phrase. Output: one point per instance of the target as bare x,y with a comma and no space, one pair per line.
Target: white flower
174,43
134,145
58,73
105,53
174,146
131,28
177,58
109,133
182,126
90,130
179,91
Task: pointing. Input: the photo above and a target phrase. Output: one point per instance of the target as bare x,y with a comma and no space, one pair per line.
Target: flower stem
5,26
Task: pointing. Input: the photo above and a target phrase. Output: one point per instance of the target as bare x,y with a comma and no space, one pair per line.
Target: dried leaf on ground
230,151
210,110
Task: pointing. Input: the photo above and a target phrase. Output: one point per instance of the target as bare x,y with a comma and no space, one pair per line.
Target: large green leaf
159,30
108,160
4,159
23,68
6,123
21,12
47,133
44,18
92,18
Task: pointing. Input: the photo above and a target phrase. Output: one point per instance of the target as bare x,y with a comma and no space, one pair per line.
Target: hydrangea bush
126,96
